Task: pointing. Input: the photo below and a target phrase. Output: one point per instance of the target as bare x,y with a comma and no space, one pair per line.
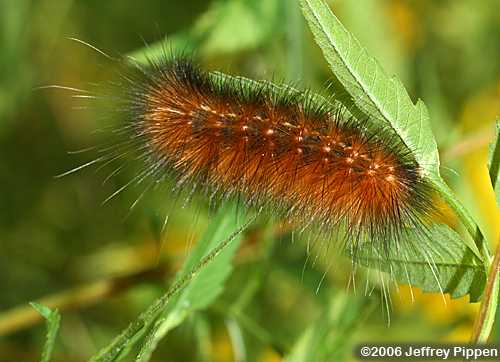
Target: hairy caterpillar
297,155
308,158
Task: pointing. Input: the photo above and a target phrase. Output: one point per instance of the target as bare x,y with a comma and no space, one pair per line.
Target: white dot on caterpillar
326,149
390,178
244,128
269,132
349,160
299,150
299,138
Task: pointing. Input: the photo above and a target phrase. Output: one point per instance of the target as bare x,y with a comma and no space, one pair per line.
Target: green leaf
219,242
383,99
494,162
204,288
53,319
372,91
438,262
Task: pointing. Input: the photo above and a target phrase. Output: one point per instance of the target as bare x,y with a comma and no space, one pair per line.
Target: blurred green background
102,265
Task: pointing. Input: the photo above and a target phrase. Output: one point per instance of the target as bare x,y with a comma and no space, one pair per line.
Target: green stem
486,317
111,352
479,247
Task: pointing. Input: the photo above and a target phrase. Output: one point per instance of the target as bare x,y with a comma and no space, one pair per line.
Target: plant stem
486,316
112,351
480,247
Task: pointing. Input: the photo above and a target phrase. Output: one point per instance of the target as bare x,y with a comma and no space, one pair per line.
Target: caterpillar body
312,161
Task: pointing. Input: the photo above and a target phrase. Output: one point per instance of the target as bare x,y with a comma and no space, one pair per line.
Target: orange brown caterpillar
311,160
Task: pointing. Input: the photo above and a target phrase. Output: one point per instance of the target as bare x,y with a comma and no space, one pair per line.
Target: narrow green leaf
53,319
494,162
438,263
204,287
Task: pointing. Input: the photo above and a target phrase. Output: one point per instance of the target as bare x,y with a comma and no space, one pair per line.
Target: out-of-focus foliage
101,265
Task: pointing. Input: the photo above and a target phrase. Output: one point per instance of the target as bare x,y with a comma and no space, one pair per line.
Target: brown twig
24,316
